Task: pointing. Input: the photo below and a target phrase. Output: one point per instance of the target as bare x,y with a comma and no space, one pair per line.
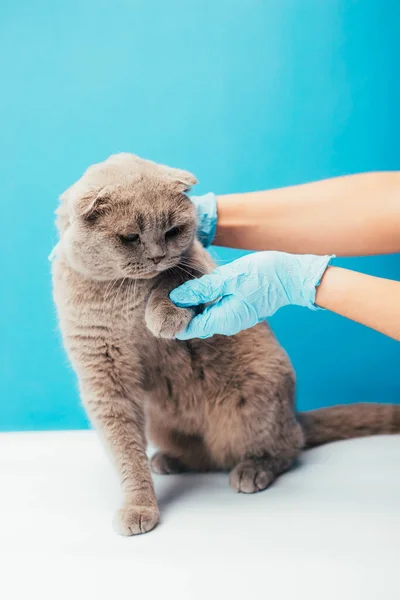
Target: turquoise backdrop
247,94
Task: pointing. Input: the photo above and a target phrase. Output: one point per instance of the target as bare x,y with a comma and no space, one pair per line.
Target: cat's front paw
165,319
134,520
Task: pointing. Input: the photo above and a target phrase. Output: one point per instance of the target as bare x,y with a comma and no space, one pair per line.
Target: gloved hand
206,207
249,290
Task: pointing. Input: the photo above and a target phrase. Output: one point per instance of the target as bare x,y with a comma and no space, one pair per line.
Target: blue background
246,94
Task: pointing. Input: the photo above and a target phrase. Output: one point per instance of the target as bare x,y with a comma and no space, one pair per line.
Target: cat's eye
129,238
173,232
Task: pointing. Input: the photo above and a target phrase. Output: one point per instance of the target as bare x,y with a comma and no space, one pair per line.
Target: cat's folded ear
181,180
92,204
79,202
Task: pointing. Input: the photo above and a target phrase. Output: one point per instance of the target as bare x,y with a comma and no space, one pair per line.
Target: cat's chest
171,378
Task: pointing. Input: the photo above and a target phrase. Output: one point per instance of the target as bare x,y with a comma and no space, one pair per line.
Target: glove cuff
313,283
207,218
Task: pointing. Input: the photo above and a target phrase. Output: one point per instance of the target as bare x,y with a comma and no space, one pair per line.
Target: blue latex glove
249,290
206,207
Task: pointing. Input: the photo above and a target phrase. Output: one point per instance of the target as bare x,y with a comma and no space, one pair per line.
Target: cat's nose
157,259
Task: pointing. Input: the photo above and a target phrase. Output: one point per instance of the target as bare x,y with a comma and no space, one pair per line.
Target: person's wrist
231,224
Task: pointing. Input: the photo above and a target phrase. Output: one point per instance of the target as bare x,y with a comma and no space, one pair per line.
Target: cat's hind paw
163,464
250,476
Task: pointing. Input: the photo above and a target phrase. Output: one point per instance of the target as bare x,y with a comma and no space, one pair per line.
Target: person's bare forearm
371,301
346,216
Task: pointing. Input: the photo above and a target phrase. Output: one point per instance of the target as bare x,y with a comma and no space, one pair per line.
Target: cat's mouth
152,270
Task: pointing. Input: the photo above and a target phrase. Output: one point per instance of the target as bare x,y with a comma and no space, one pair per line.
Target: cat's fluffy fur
224,403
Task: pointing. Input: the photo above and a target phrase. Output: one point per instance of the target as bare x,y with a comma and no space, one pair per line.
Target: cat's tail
348,421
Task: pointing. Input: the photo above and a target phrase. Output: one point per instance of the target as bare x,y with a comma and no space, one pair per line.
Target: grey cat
127,238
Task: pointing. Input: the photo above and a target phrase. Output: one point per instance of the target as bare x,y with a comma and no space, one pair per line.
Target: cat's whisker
191,261
191,275
132,296
115,304
114,283
125,296
134,292
108,292
181,269
125,303
195,266
109,284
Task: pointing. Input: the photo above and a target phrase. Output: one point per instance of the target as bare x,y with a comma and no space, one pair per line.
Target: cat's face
127,217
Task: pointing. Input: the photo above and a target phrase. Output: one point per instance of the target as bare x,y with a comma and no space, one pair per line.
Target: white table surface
328,529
